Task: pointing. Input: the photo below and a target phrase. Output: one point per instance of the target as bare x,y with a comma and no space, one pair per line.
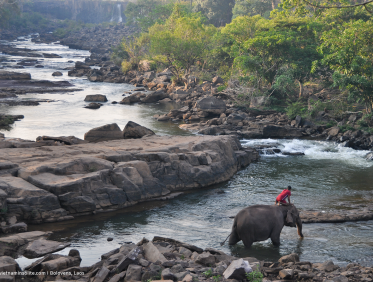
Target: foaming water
313,150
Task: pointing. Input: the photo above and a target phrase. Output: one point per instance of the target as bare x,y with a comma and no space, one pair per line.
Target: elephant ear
289,221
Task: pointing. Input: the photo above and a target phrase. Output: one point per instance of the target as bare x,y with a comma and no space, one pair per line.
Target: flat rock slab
10,244
338,216
41,247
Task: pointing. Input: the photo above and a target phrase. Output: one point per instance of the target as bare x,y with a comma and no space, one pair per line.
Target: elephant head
292,218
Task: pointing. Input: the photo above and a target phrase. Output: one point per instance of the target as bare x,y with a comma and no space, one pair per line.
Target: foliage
218,12
180,42
8,9
296,109
146,13
208,273
216,278
348,51
251,7
133,50
254,276
221,88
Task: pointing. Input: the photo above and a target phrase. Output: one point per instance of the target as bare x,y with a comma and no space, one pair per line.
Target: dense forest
274,50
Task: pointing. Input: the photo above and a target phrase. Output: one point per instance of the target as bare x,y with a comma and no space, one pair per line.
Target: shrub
295,109
254,276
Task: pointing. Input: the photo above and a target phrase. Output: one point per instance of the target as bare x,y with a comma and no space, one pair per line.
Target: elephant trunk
299,226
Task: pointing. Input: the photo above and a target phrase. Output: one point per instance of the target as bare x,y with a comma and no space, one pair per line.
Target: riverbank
171,260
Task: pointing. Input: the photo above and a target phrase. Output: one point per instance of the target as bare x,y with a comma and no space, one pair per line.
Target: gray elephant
260,222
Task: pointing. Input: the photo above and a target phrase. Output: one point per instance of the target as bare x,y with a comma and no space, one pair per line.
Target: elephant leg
247,242
275,238
234,238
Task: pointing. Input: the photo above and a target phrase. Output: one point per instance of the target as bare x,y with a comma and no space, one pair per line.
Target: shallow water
325,178
202,217
66,115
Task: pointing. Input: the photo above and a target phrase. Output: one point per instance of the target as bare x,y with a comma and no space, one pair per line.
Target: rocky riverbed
171,260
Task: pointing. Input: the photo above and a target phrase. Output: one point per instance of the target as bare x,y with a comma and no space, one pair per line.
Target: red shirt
284,194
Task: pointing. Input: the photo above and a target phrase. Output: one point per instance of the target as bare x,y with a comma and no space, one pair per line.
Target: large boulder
211,105
57,73
152,254
95,98
133,98
41,247
134,130
155,97
8,264
104,133
237,270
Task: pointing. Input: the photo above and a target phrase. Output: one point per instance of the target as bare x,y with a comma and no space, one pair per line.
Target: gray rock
8,264
15,228
206,259
334,131
144,262
177,268
93,106
272,131
211,105
95,98
185,252
340,278
41,247
134,130
217,80
101,274
289,258
298,121
104,133
57,73
79,204
118,277
286,273
155,97
133,273
167,274
180,276
131,258
237,270
328,266
8,75
152,254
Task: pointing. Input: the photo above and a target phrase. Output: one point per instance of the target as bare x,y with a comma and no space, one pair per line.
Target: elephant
260,222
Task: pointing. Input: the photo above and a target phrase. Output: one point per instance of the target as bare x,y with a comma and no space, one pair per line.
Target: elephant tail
233,237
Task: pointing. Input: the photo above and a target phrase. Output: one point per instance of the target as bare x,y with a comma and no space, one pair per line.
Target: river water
326,177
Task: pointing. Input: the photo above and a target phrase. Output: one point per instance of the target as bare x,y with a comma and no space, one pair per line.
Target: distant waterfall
117,18
120,13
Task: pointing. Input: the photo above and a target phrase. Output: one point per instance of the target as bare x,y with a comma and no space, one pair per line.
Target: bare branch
338,7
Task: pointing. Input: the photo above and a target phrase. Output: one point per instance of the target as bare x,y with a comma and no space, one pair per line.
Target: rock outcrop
134,130
42,185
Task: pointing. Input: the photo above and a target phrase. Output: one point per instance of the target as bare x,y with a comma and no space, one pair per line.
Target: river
325,178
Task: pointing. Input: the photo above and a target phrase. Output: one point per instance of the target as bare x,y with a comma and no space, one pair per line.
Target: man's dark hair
289,188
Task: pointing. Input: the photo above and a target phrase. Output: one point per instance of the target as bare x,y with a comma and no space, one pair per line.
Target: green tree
8,8
180,42
349,52
133,50
218,12
146,13
263,49
251,7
